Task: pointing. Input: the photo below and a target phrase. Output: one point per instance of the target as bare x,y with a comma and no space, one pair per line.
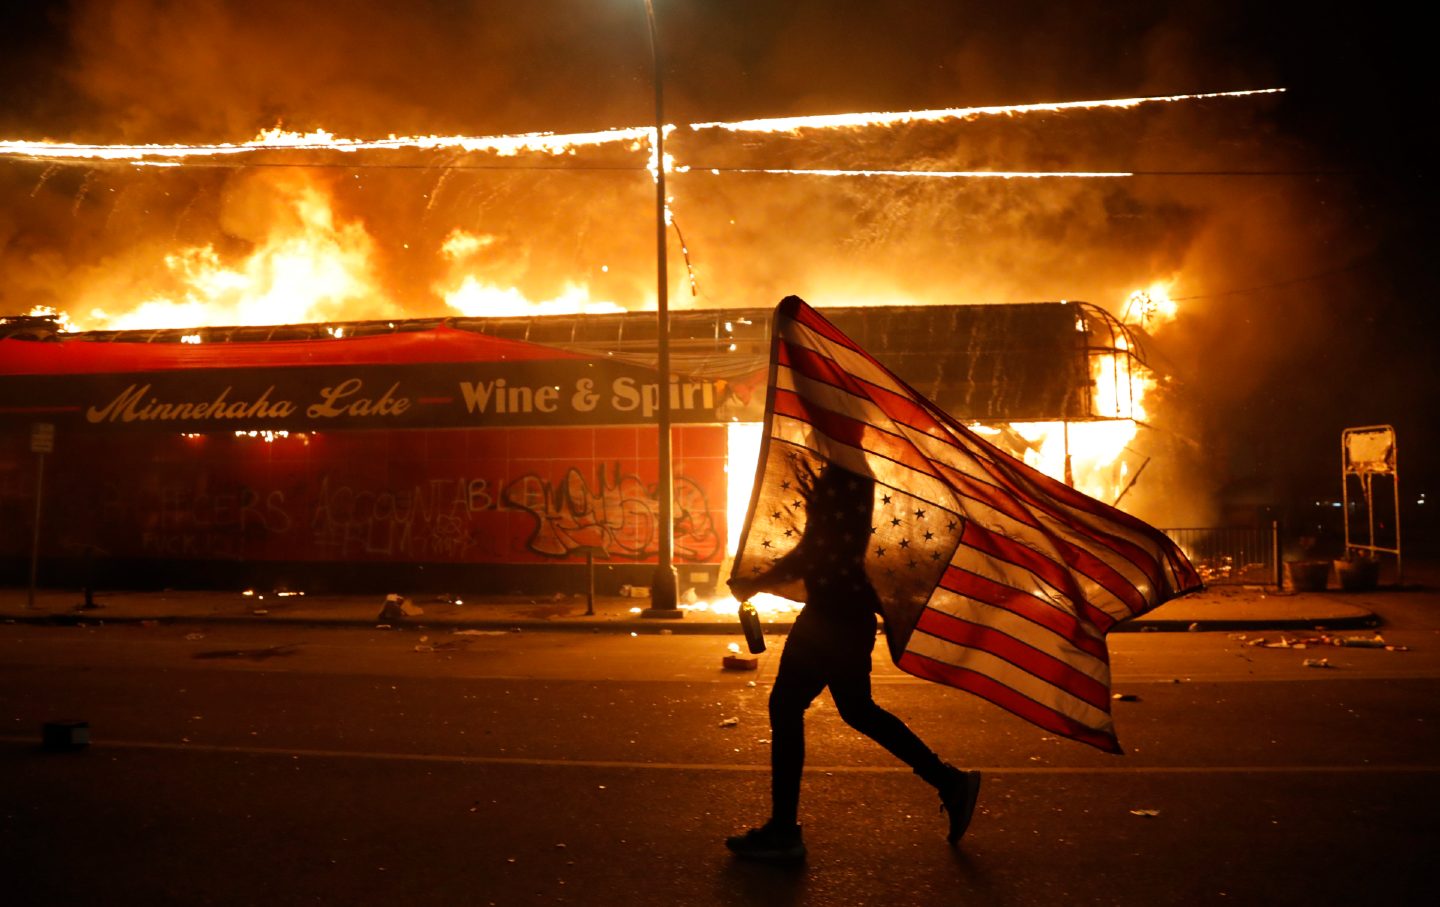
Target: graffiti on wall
618,515
355,498
182,521
430,520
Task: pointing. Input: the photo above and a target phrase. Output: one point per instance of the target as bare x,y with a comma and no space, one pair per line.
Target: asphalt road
237,765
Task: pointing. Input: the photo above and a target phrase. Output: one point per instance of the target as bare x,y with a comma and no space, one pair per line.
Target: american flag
992,577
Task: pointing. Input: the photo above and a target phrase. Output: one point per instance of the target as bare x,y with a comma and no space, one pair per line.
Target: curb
1352,622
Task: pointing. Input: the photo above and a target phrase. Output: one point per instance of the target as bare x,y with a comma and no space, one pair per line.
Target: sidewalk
1219,608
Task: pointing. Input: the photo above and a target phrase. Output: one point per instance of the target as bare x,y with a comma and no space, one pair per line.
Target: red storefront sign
437,446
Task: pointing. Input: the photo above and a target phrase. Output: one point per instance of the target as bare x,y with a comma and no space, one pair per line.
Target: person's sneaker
958,793
769,843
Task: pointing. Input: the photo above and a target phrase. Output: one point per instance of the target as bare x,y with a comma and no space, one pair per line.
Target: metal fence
1232,556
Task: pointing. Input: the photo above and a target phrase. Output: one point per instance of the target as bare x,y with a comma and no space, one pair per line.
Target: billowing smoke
1241,251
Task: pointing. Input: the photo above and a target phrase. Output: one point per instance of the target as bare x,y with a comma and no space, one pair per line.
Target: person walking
830,646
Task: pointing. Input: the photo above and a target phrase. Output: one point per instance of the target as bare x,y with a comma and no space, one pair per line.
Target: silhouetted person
830,645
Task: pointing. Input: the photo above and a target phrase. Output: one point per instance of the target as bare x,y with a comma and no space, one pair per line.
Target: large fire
310,267
313,265
473,297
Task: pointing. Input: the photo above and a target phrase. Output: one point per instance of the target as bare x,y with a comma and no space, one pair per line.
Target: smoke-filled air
386,179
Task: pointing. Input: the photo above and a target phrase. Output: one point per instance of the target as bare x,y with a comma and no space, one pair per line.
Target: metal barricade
1234,557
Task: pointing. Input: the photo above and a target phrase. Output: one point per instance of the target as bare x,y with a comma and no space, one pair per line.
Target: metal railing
1232,557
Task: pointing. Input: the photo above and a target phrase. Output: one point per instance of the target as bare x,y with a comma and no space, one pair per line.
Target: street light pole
664,589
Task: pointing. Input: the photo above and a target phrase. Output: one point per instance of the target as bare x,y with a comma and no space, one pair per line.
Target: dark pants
808,665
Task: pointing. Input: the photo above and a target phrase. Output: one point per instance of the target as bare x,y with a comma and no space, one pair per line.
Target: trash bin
1308,576
1358,574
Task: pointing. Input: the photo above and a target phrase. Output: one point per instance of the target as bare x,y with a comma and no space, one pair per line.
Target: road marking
1368,769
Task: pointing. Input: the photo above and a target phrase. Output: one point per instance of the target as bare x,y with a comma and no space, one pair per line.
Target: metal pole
1395,471
590,582
1275,553
664,592
35,540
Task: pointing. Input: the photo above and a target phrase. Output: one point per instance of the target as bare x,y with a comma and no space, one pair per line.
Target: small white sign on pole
42,437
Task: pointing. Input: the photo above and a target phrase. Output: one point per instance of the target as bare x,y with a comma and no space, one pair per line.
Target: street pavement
287,758
286,763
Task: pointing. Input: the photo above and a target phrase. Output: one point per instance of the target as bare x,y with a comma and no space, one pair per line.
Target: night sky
1295,227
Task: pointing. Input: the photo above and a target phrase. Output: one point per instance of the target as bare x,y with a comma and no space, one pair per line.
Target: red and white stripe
1041,571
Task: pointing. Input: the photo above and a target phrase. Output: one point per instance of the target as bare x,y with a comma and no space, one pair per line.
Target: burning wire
856,120
684,252
560,144
942,174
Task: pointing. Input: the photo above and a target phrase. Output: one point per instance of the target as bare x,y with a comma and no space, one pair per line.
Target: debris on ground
1324,639
729,722
397,608
479,632
1316,663
1147,813
194,636
452,645
1124,697
739,663
1364,642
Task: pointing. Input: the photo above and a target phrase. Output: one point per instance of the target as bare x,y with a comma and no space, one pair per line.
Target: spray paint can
750,623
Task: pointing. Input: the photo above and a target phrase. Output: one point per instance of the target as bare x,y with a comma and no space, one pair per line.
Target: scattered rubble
1304,642
397,608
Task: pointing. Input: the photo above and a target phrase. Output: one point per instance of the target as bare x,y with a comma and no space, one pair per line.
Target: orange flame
901,118
310,267
474,297
563,144
1151,307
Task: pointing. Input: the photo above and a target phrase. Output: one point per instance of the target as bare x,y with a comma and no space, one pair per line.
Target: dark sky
1312,307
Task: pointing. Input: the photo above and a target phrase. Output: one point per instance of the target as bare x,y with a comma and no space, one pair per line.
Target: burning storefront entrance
483,455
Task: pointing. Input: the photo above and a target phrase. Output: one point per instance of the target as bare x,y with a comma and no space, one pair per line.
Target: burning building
469,401
480,454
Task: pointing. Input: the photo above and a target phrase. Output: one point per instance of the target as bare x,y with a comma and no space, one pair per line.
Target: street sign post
42,442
